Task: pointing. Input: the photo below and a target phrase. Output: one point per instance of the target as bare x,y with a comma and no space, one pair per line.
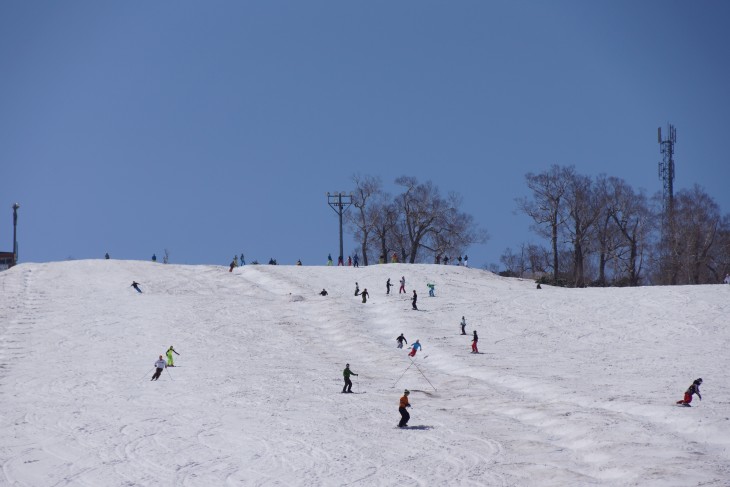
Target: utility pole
15,233
336,203
668,264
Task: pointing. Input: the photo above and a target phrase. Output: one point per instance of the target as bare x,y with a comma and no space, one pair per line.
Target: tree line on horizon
602,232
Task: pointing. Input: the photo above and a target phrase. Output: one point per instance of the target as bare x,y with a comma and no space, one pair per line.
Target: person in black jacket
474,348
348,383
693,389
365,295
400,340
388,285
413,301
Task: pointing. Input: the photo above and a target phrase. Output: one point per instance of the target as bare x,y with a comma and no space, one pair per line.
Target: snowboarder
414,299
329,259
323,292
299,261
348,383
430,289
357,289
365,295
160,365
402,285
404,416
355,261
463,325
170,351
388,285
693,389
135,285
415,348
474,348
400,340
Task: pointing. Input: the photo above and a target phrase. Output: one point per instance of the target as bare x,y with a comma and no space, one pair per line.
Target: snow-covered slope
575,387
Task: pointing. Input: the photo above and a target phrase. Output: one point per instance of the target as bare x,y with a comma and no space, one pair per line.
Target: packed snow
572,387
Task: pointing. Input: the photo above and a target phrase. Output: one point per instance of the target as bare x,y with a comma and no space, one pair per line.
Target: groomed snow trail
572,388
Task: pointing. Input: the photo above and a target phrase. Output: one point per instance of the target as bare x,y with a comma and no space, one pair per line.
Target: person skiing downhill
431,288
160,365
402,285
474,348
463,325
414,299
357,289
415,348
365,295
135,285
170,361
348,383
388,285
404,416
693,389
400,340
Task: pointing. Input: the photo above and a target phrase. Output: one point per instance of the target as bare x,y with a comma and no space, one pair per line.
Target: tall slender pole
336,203
15,233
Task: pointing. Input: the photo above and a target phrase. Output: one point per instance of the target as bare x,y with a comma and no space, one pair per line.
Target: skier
170,351
459,260
466,261
340,261
365,295
349,261
388,285
357,289
329,259
233,264
474,348
160,364
135,285
693,389
154,258
414,299
430,289
299,261
404,416
446,260
402,285
348,383
106,256
400,340
235,261
463,325
394,259
438,259
243,262
415,348
323,292
356,261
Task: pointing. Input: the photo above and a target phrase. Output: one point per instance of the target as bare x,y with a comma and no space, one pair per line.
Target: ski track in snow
574,387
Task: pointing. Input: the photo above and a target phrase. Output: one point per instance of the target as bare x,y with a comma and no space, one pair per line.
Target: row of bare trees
603,232
417,224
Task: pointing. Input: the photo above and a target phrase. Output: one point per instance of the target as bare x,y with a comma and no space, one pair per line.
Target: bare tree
548,190
581,209
362,220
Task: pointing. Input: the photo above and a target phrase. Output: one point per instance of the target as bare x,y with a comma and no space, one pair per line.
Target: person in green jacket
348,383
170,351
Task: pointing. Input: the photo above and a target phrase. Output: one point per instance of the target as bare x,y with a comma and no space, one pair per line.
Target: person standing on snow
402,285
431,289
463,325
474,348
414,299
170,361
329,259
348,383
415,348
693,389
135,285
160,364
340,261
233,264
355,261
404,416
400,340
349,261
365,295
388,285
466,261
357,289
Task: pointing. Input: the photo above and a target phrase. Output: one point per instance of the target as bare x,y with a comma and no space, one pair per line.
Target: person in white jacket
160,364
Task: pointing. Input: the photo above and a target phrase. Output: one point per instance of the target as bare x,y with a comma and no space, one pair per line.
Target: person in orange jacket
404,416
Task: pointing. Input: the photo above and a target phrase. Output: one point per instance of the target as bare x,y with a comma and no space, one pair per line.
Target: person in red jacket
693,389
404,416
474,348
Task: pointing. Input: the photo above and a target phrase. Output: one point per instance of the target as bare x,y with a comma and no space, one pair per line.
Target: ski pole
424,376
145,374
404,373
168,373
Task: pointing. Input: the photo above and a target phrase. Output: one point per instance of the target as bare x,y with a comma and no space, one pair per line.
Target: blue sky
214,128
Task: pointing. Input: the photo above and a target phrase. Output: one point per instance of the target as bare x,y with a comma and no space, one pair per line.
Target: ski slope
575,387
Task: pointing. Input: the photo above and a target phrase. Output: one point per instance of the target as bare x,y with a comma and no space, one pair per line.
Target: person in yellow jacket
170,351
404,416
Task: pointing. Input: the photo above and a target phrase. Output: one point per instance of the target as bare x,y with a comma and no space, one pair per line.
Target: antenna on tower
666,168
